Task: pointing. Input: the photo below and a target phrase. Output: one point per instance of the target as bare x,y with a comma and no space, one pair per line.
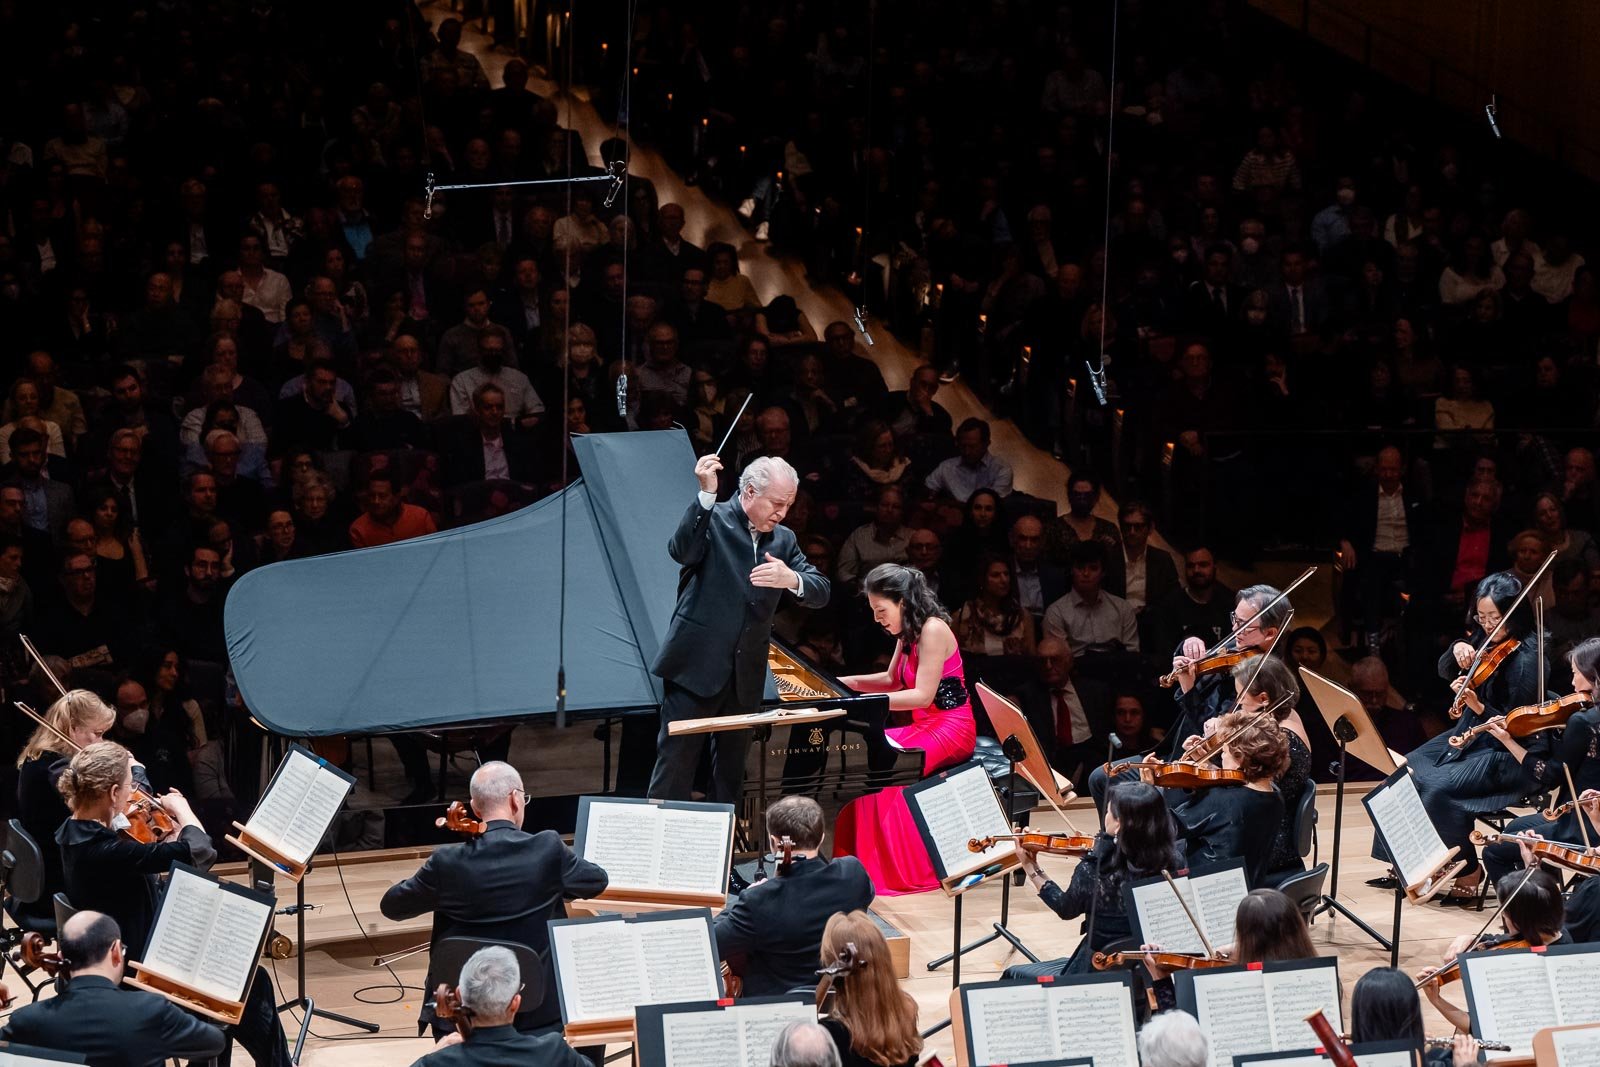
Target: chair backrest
451,954
64,910
24,864
1304,889
1305,819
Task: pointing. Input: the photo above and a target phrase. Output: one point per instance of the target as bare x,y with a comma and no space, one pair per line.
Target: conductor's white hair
764,471
1172,1039
803,1044
493,782
489,979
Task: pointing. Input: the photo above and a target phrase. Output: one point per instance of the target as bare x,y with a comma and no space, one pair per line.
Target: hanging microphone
622,395
618,170
1097,379
861,325
427,187
1491,111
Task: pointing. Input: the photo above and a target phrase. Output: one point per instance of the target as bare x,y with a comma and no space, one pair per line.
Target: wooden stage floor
342,946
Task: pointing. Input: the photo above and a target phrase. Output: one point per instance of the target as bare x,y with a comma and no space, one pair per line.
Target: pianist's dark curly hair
906,587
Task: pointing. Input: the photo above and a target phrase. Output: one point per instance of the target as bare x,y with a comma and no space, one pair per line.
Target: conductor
738,563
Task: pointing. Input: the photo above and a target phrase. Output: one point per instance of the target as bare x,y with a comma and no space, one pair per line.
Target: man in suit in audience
491,996
107,1025
1140,574
1039,582
1071,716
504,884
484,444
771,935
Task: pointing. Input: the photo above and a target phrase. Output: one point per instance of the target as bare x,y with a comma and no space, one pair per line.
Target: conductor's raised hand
773,574
706,469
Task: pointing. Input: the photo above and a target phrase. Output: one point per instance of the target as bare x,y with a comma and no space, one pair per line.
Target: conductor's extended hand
773,574
705,469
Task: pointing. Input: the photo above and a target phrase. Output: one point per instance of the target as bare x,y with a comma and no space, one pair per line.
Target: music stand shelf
619,1031
778,717
264,853
634,901
227,1012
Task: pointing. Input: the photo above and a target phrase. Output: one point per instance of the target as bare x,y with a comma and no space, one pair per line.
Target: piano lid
460,626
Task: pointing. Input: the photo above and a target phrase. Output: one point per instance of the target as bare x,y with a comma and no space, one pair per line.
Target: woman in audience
352,292
926,686
585,378
873,1021
1528,551
783,323
753,371
992,622
874,462
1471,271
25,405
809,397
1137,843
320,530
1462,409
982,530
729,289
1417,367
280,541
1550,520
117,545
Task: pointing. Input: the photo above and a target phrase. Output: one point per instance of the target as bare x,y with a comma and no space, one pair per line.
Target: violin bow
27,646
1261,661
1577,809
1048,799
1184,904
46,723
1270,709
1505,617
1472,945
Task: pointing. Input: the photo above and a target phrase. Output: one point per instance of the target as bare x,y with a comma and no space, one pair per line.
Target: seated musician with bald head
504,884
107,1025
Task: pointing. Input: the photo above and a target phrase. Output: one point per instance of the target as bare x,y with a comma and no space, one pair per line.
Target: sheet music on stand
1260,1007
953,807
658,853
1512,994
1367,1054
205,943
14,1055
1064,1018
1567,1046
1212,893
295,811
716,1033
608,966
1421,859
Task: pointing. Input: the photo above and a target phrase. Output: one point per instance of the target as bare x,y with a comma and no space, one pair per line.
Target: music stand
1354,731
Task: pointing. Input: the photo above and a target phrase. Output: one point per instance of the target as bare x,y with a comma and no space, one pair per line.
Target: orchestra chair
64,910
1303,886
22,881
1304,889
452,953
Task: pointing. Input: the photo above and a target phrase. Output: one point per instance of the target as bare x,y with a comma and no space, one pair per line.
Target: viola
1529,719
1561,853
1171,961
1488,663
1211,663
1030,841
447,1005
457,818
1451,972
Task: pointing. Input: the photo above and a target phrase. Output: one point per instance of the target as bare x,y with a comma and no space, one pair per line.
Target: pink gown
878,828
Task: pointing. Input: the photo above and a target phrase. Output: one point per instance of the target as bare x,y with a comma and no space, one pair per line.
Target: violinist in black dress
1458,785
1238,820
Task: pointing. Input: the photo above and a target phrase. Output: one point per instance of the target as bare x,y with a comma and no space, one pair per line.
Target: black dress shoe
1387,881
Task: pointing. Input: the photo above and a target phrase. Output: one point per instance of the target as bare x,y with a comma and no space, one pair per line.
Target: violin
1211,663
1332,1041
1185,774
1529,719
1562,854
447,1005
1171,961
456,817
1032,841
1451,972
1489,661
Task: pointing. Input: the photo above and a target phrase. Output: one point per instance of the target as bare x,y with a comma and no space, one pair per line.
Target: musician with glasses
503,884
490,992
1201,697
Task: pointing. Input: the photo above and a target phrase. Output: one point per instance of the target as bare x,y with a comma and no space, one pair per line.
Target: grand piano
471,628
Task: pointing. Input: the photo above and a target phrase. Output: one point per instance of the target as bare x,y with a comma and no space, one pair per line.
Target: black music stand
1015,753
1350,725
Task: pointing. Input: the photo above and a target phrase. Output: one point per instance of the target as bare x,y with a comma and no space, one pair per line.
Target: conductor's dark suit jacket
722,623
504,885
112,1027
774,928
